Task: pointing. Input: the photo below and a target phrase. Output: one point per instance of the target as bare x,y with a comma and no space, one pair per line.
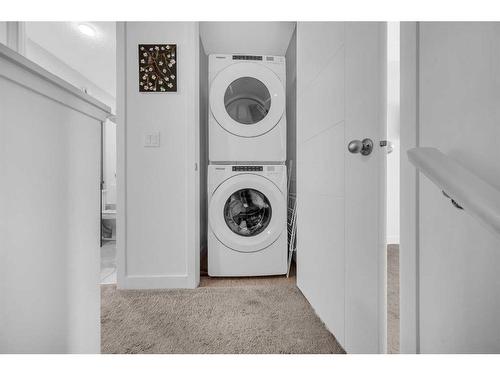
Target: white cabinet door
341,195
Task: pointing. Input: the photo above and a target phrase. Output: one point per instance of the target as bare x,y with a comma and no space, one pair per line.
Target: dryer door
247,212
247,99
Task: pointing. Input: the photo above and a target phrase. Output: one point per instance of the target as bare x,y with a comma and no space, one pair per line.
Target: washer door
247,212
247,99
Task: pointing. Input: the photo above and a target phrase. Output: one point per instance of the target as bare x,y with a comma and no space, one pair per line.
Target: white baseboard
156,282
392,240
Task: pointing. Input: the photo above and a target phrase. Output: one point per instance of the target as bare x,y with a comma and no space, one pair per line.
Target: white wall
459,92
93,56
49,213
58,67
158,196
408,249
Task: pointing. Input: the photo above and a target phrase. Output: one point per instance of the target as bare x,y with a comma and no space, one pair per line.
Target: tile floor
108,262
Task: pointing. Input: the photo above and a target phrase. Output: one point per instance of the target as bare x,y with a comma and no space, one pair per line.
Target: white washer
247,215
247,119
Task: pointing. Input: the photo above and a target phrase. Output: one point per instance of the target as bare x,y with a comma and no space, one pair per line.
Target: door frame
409,253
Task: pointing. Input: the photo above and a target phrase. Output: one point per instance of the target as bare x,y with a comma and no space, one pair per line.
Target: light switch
152,139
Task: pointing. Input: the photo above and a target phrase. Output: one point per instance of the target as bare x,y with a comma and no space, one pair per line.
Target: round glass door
247,100
247,212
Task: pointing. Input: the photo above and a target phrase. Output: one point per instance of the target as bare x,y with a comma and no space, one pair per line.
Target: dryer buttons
247,168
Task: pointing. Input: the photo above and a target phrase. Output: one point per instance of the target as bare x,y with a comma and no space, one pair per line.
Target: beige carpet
228,315
393,299
249,319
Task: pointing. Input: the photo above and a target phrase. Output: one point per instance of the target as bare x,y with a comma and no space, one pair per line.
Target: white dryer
247,117
247,216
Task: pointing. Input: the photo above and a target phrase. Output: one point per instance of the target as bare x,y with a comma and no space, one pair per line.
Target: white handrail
464,188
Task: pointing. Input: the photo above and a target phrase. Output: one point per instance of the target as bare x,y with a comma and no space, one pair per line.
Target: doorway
84,55
392,183
108,203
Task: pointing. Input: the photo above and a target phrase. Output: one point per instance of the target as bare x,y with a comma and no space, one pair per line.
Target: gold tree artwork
157,67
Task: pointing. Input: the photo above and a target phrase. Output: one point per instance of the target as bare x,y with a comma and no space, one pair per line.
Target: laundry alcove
257,39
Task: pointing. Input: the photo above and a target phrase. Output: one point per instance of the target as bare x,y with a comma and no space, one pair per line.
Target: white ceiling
93,57
257,38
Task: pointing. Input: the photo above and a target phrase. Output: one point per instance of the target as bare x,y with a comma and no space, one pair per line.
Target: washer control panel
246,57
247,168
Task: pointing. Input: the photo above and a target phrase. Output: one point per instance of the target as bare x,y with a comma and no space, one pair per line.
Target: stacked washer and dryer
247,177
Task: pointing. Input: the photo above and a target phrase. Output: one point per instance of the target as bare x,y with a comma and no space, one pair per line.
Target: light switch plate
152,139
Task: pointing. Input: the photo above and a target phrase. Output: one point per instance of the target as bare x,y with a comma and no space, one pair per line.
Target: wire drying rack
291,220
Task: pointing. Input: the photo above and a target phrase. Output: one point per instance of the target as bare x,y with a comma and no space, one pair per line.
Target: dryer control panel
247,168
268,59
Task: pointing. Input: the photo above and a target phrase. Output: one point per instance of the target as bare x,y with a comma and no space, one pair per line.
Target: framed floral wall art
157,68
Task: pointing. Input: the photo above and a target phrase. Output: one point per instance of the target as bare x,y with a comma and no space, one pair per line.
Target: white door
341,195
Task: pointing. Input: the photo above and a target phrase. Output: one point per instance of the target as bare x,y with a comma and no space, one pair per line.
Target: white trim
156,282
409,185
18,69
193,163
382,201
392,240
121,154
